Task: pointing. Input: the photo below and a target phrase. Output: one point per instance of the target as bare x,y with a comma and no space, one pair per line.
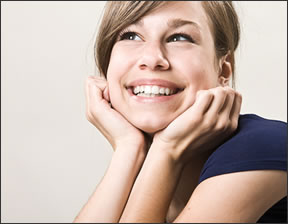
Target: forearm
108,201
153,189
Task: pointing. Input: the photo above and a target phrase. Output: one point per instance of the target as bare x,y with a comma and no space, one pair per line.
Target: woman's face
158,64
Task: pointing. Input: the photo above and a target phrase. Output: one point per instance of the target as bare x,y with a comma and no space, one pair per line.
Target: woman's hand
204,126
117,130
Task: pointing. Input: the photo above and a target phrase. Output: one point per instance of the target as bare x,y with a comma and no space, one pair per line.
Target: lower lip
155,99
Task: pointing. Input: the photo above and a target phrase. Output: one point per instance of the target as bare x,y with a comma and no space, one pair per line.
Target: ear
225,70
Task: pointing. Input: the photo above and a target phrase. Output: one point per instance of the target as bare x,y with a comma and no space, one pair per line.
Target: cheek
199,78
115,93
116,70
115,66
121,59
113,84
119,66
198,69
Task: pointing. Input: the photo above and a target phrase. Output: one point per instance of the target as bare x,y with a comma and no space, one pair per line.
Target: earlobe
225,72
223,81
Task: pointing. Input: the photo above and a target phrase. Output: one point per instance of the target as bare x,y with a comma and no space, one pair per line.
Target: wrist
135,153
182,153
164,150
131,142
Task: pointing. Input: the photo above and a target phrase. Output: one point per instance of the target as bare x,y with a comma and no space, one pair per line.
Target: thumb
106,94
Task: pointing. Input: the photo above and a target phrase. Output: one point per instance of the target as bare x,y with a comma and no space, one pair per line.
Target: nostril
142,66
153,61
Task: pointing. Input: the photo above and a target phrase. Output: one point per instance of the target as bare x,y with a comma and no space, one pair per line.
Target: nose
153,57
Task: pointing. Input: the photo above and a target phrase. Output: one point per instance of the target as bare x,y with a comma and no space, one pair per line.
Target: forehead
181,10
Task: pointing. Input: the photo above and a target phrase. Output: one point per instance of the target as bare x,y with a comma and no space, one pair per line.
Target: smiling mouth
153,91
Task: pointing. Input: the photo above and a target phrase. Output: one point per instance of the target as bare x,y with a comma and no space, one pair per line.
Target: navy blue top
258,144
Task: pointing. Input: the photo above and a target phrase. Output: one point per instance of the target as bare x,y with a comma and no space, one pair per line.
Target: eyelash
126,32
188,37
130,32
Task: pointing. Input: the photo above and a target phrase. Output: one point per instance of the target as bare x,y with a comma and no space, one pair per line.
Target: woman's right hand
117,130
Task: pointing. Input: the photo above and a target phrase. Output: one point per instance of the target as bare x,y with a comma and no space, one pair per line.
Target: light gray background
51,157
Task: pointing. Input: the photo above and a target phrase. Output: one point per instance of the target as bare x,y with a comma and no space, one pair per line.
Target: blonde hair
223,22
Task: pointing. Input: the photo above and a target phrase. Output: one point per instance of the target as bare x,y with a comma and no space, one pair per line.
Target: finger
235,111
224,123
98,81
106,94
227,106
203,101
94,91
95,84
220,95
228,118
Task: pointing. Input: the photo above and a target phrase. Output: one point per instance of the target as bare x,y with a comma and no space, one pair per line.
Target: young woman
182,153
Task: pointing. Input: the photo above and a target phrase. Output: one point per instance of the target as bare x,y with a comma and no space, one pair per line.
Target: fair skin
153,177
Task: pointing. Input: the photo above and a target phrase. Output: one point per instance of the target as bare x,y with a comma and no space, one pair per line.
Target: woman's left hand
202,127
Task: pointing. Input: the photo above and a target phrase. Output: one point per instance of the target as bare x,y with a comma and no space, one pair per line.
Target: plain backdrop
51,157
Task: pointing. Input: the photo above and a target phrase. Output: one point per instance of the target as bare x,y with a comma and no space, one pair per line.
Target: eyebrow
173,23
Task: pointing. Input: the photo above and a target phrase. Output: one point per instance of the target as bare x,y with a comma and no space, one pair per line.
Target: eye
129,36
180,37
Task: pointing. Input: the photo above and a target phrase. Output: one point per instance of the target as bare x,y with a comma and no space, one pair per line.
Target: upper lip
156,82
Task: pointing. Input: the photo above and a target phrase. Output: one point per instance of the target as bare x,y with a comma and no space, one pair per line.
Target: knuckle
95,79
229,89
196,119
221,126
199,93
219,92
204,92
209,123
207,94
230,94
233,125
221,89
239,95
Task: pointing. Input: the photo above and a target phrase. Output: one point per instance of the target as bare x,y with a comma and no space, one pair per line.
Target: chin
149,129
150,126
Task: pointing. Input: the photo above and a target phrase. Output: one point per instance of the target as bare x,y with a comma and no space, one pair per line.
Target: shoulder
256,134
258,144
251,124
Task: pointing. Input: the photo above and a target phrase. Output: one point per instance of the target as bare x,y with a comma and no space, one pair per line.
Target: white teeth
152,91
162,91
147,90
155,89
167,91
136,90
146,95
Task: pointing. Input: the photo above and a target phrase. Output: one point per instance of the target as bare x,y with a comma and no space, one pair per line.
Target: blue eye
180,37
129,36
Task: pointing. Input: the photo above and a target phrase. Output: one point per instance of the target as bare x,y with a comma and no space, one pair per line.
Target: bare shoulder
235,197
